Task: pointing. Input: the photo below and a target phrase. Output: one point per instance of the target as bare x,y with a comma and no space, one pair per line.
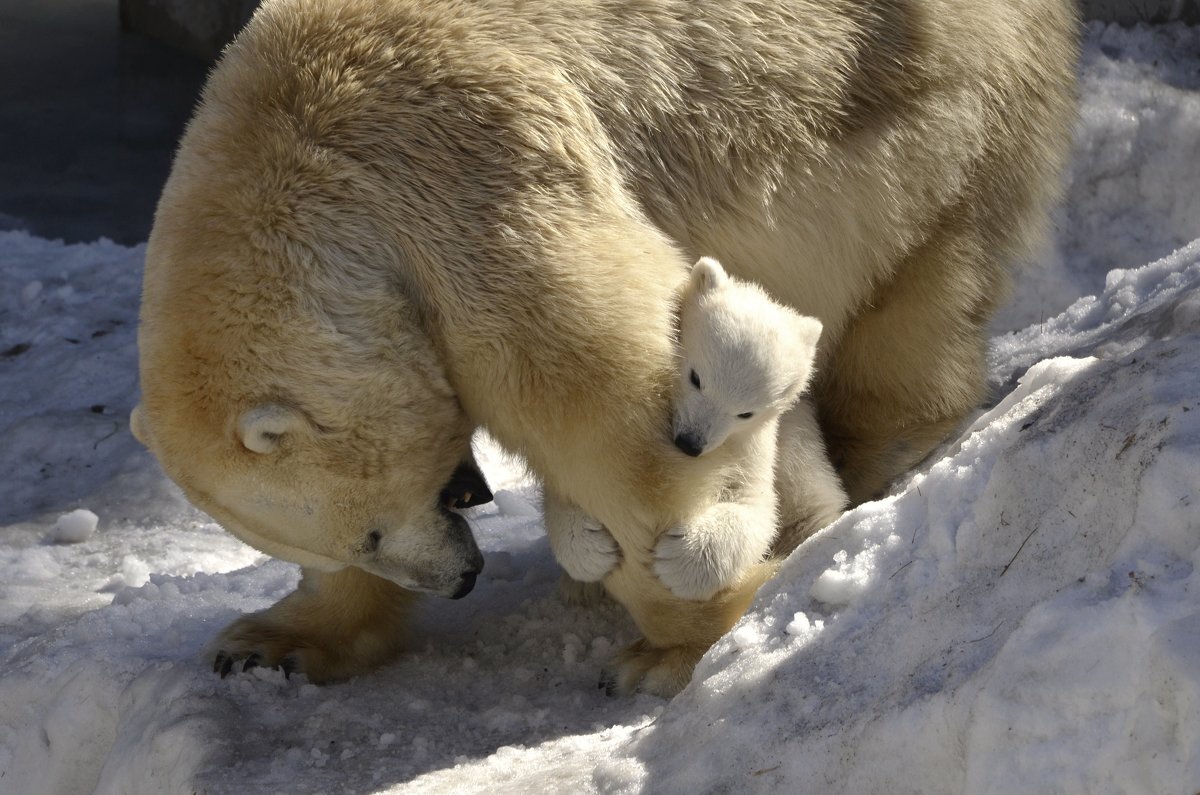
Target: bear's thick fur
393,221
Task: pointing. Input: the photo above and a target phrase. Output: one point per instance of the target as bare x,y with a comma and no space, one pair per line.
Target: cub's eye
695,379
745,415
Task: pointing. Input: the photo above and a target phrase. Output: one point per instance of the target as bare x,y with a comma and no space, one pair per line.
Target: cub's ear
707,274
804,332
263,428
138,425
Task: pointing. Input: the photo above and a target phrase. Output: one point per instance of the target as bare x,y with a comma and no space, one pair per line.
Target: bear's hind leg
333,626
907,370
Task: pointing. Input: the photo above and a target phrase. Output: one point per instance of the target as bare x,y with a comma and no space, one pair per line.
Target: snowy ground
1022,615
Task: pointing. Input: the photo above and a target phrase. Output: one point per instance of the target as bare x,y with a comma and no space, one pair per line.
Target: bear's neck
541,340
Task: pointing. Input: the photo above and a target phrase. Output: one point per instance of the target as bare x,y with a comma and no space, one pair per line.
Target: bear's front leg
677,632
333,626
711,552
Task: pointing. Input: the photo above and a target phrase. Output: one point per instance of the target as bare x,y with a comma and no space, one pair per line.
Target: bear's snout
689,444
474,563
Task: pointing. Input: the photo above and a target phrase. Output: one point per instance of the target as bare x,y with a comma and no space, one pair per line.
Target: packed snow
1021,614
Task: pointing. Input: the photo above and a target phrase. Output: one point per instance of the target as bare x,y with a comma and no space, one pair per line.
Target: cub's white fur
744,360
585,550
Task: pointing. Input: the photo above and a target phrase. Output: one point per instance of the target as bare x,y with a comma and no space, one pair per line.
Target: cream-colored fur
392,221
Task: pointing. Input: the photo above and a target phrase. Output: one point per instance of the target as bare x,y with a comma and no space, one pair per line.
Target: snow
76,526
1018,615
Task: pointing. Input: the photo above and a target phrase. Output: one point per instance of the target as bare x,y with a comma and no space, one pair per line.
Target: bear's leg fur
908,369
333,626
677,632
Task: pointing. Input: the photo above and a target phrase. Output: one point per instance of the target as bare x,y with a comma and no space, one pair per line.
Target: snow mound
1023,603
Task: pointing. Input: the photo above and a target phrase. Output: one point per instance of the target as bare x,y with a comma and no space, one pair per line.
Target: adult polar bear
393,221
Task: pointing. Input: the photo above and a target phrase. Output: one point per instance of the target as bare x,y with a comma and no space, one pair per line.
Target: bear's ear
138,425
707,274
263,428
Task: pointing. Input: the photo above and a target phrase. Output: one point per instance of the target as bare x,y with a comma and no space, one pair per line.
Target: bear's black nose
468,582
689,444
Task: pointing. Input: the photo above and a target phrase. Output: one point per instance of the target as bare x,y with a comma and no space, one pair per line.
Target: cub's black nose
468,583
689,444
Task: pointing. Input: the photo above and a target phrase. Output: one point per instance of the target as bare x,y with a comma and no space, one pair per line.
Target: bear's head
744,358
289,383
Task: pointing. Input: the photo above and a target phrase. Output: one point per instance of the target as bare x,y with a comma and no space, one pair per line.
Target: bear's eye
695,379
745,415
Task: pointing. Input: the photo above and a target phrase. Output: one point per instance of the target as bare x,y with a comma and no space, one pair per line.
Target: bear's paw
335,625
644,668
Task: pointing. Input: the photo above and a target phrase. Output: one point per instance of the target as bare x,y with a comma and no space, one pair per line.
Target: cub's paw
643,668
711,553
583,547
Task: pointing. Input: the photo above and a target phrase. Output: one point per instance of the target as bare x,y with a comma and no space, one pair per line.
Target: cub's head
743,358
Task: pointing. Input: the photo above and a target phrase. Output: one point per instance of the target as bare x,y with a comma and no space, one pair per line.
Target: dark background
90,113
89,118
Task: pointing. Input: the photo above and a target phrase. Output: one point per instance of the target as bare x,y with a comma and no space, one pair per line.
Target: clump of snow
1018,615
850,577
746,636
76,526
804,628
1024,627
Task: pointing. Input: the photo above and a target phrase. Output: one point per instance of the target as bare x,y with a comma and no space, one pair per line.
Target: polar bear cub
744,361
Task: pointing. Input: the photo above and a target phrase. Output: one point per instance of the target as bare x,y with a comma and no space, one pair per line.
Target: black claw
289,665
252,662
217,663
226,666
